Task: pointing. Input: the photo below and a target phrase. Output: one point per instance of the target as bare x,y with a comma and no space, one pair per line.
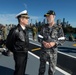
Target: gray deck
7,65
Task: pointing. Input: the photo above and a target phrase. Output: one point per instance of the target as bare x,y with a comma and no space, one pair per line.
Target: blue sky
36,10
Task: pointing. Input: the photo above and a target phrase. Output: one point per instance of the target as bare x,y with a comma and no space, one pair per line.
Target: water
68,34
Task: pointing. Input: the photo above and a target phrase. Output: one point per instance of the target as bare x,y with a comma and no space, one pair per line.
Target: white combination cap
22,13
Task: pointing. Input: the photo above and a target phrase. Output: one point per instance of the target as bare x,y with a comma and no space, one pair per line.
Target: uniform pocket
54,34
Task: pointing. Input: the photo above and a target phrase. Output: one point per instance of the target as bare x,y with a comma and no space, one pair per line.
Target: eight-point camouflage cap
50,12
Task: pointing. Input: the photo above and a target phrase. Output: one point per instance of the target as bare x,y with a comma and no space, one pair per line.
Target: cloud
10,19
36,18
7,19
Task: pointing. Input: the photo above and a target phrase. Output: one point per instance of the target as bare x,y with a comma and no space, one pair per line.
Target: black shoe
5,53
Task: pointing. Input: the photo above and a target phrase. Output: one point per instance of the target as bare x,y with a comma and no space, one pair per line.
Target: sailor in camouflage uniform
50,37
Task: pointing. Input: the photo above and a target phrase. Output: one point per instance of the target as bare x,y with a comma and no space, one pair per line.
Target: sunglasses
25,17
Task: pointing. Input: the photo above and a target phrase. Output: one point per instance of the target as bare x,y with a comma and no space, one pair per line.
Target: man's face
24,20
50,18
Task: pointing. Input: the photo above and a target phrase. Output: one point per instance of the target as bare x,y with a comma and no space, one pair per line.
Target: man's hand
52,44
48,45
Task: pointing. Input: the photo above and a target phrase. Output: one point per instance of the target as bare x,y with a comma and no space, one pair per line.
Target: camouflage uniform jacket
51,34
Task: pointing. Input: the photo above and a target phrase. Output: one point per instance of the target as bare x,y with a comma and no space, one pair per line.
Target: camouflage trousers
51,57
